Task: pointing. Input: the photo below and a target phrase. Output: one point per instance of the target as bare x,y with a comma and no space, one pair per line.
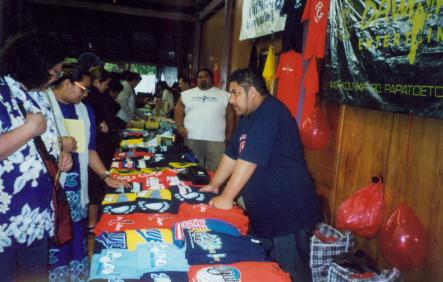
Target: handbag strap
42,150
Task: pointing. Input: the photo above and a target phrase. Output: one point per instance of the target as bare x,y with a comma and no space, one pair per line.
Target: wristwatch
105,174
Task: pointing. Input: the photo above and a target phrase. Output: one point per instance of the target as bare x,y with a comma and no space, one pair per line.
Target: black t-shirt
293,32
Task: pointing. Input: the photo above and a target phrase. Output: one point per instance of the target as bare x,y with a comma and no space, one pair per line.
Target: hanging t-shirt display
292,36
289,74
311,85
316,11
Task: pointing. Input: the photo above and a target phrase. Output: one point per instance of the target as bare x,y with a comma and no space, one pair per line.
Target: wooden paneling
212,39
407,152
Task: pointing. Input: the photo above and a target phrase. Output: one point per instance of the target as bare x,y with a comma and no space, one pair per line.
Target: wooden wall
211,47
407,151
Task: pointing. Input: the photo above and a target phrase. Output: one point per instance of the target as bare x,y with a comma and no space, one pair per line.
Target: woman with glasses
70,262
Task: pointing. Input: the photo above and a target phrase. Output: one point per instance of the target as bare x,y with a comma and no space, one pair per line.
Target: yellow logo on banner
410,23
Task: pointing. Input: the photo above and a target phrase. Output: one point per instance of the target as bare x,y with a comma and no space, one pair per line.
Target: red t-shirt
311,89
316,11
236,272
234,216
289,74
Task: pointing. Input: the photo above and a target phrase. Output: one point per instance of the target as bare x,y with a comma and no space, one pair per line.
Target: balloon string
408,148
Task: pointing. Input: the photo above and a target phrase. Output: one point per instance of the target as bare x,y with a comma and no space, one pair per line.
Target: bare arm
179,116
97,166
230,122
224,170
243,171
35,125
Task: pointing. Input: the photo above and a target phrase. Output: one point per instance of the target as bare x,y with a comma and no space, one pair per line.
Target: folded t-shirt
239,272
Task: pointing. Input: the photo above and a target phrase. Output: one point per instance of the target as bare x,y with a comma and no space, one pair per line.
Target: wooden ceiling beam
187,3
115,8
213,6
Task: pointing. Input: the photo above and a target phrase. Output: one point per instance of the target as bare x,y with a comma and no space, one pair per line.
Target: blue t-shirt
280,196
219,248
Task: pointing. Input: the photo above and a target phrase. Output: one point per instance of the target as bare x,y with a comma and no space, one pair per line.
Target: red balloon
403,239
315,131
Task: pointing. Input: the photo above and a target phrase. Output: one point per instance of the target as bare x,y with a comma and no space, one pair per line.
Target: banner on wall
261,17
386,55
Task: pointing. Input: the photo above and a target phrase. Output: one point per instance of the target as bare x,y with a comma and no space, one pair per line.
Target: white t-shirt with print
205,113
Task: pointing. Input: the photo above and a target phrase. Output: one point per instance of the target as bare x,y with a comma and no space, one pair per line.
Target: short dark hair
185,79
29,56
115,85
99,73
73,72
207,71
248,78
131,76
89,60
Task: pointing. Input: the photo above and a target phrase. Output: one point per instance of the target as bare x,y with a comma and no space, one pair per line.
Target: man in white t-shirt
205,119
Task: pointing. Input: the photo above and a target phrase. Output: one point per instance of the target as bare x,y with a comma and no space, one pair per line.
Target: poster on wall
261,17
386,55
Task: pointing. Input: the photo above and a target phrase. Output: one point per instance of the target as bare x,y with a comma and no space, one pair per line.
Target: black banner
386,55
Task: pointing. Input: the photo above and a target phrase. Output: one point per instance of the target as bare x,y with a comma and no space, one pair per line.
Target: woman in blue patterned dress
70,262
28,62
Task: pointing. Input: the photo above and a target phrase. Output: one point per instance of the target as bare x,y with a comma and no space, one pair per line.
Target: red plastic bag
361,213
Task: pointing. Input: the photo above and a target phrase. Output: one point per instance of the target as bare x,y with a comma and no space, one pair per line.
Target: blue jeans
291,251
25,264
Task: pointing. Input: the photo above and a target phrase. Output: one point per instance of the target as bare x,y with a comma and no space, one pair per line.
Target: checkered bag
337,273
327,243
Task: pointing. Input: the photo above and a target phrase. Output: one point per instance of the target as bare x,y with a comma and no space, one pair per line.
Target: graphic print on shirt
241,142
146,206
154,235
125,208
71,179
158,255
206,241
186,193
222,273
318,12
204,99
119,222
160,277
112,241
108,262
287,69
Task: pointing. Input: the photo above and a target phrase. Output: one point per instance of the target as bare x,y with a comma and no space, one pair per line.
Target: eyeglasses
83,88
